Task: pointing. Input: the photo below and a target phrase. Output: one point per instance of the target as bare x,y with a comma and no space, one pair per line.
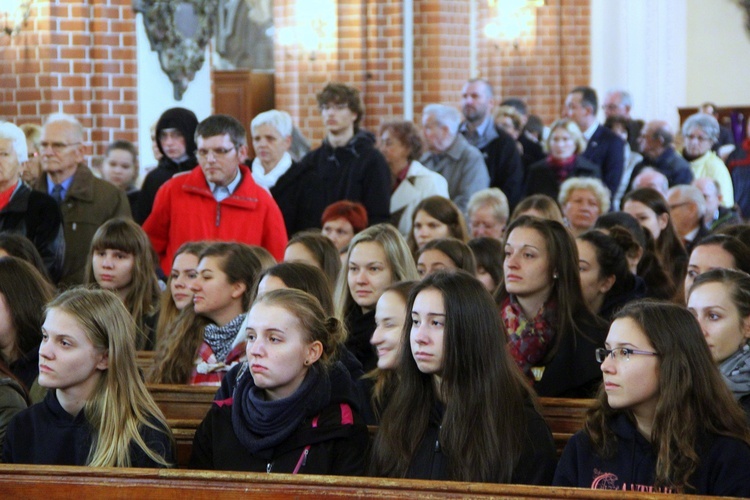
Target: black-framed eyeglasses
217,152
57,147
620,353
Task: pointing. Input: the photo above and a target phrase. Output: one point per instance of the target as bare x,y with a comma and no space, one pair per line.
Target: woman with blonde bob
377,257
97,411
122,260
664,420
565,145
583,200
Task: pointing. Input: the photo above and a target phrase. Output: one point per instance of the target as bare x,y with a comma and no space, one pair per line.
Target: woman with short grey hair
699,132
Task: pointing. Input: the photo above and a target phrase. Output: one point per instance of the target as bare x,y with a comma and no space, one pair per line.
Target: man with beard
497,146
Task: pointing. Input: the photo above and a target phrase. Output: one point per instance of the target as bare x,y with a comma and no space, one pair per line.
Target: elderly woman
565,145
583,199
699,132
401,144
488,213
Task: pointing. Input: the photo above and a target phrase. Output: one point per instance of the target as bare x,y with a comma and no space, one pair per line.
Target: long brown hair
573,315
670,249
479,382
446,212
25,292
168,311
142,299
385,380
176,352
693,397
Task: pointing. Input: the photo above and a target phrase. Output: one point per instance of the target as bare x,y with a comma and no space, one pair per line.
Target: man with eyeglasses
619,103
686,209
656,144
217,200
85,201
32,214
346,166
175,138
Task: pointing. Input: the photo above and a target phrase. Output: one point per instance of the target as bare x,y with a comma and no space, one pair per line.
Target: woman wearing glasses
699,132
664,420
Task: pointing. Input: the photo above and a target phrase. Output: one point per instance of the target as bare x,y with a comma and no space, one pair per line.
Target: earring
554,276
307,362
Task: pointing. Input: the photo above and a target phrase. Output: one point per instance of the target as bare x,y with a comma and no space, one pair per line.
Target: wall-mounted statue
179,31
244,35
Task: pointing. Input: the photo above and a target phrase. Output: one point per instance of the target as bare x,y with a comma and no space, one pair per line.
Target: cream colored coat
420,183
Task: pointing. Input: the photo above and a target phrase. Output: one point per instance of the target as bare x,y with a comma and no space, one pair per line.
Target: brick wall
541,69
77,57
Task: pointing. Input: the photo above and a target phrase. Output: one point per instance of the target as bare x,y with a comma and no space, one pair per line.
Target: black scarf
261,424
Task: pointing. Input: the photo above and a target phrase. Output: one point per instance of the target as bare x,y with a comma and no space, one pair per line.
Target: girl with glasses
663,420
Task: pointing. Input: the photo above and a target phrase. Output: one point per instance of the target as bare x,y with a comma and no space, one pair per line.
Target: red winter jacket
185,210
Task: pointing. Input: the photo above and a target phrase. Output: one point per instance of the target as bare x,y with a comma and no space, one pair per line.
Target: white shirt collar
223,192
590,131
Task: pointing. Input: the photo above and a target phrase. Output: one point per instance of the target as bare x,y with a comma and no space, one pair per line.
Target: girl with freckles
461,410
664,420
296,413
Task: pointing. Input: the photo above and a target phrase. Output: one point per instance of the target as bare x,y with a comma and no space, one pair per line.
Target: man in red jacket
218,200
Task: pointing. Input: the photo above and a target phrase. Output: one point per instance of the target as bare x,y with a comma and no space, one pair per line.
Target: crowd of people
434,283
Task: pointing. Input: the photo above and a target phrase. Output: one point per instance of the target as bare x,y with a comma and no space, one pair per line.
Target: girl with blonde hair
97,411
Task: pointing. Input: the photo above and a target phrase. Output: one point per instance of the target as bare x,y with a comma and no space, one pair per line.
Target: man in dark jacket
498,148
346,166
85,201
33,214
175,137
656,141
603,147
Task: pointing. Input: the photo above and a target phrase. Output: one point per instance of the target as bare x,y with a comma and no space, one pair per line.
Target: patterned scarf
528,340
561,168
221,338
736,372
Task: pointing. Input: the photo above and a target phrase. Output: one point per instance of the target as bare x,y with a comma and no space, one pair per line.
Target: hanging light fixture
13,15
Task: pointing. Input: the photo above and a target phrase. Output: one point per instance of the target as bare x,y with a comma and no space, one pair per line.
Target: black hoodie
186,122
723,469
354,172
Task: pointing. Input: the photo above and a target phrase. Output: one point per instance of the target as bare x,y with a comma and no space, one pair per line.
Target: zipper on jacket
269,467
304,459
218,214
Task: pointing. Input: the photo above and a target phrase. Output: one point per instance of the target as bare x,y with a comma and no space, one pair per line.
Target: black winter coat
536,464
37,216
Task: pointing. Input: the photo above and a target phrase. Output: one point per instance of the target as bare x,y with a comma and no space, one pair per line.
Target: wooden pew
564,417
144,360
185,406
54,482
